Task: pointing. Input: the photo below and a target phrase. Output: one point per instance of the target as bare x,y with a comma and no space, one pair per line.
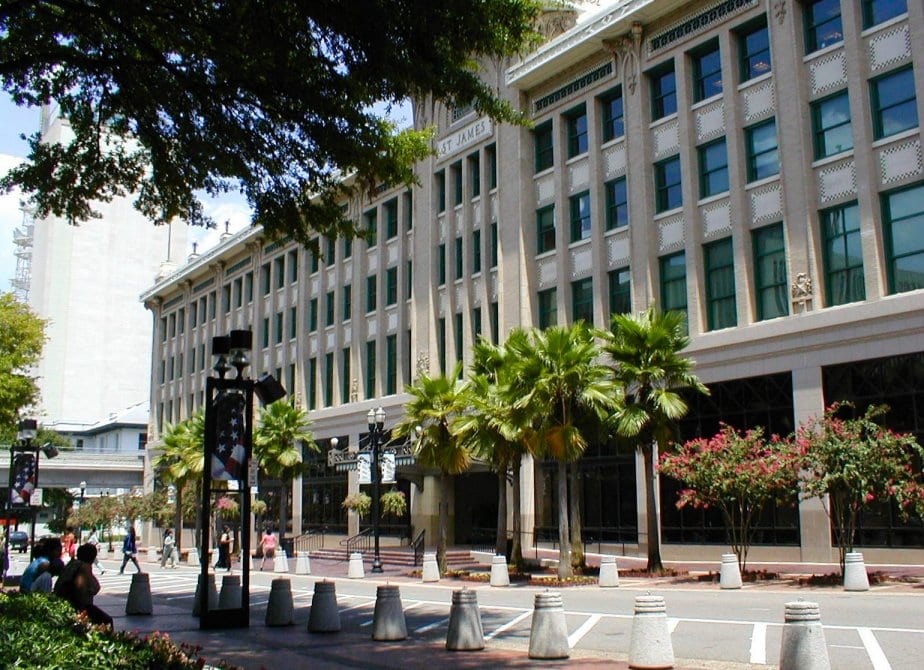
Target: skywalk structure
755,164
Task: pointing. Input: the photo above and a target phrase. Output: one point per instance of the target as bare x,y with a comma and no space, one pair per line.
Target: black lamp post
376,420
228,451
83,490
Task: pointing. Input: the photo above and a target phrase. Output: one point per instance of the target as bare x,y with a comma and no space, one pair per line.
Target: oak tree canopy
270,97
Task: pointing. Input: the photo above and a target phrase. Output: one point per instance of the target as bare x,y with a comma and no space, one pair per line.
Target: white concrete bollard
152,555
855,577
192,557
281,562
803,646
431,569
548,637
729,573
650,645
250,562
500,574
388,622
213,595
139,595
465,630
280,610
325,615
355,569
609,574
231,595
302,563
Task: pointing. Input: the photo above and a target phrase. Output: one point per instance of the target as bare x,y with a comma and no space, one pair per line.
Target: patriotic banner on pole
23,479
228,457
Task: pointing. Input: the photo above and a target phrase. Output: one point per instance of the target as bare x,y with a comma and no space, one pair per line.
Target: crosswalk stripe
876,656
759,643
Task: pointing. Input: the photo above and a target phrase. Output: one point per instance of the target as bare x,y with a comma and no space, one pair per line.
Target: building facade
84,280
755,164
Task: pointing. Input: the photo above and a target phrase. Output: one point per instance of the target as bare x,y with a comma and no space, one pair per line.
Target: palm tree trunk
564,540
516,548
577,539
651,509
443,523
283,510
500,542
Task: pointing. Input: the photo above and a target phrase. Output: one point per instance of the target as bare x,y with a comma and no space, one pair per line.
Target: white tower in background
86,281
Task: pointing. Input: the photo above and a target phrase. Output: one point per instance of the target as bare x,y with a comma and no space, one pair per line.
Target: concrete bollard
280,610
650,645
855,577
302,563
431,569
465,630
609,574
388,622
548,637
281,562
729,573
151,555
803,646
325,615
250,562
139,595
500,574
192,557
231,594
213,595
355,569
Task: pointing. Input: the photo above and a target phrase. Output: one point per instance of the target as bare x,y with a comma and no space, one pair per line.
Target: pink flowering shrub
853,463
738,473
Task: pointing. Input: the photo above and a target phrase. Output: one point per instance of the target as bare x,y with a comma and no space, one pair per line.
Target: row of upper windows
753,55
475,255
842,258
823,22
473,164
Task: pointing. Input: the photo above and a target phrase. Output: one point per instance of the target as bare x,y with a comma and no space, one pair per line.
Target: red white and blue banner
24,476
230,452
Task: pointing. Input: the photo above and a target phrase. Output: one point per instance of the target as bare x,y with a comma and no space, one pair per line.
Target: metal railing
310,541
419,544
361,542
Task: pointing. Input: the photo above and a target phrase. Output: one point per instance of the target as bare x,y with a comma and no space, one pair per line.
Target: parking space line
576,636
510,624
365,624
758,651
431,626
876,656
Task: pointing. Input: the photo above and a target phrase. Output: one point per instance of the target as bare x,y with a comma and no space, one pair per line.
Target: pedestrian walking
224,549
130,550
268,544
94,540
168,553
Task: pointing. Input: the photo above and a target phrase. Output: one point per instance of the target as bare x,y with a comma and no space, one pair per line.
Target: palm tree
181,462
281,427
435,402
645,351
490,430
554,376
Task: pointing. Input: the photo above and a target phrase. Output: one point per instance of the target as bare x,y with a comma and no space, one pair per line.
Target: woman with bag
130,550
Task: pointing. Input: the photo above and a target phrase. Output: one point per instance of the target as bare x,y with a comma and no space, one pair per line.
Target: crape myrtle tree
855,462
739,474
272,99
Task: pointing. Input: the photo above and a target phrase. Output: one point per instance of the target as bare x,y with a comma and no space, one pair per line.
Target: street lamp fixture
376,421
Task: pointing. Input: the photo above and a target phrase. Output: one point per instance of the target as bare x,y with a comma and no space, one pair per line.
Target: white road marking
876,655
431,626
576,636
759,643
364,624
513,622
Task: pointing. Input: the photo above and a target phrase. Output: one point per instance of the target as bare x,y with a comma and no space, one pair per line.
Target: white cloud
230,208
10,219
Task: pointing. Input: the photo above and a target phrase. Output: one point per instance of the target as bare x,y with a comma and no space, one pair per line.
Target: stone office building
755,164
